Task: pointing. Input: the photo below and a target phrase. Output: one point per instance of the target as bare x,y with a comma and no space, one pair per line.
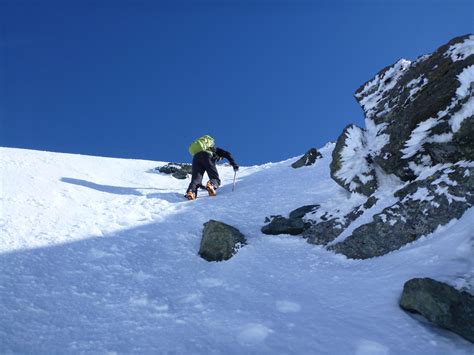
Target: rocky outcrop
424,204
421,111
220,241
177,170
351,166
419,128
441,304
419,119
417,114
294,225
309,158
326,231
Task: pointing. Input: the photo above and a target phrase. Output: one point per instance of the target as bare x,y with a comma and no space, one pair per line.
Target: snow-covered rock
423,111
351,165
424,205
327,230
419,127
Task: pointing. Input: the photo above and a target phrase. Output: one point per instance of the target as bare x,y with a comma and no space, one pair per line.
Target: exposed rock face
419,127
177,170
418,115
424,204
419,119
294,225
220,241
326,231
441,304
421,114
309,158
351,165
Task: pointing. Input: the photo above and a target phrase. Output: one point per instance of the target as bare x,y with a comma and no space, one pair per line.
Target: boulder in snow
281,225
309,158
177,170
441,304
220,241
294,225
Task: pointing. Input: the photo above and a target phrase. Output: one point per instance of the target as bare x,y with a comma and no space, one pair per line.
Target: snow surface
99,255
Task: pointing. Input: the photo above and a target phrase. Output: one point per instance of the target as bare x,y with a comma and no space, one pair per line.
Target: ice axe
233,184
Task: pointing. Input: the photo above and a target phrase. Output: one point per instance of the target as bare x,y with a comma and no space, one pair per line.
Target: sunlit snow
99,255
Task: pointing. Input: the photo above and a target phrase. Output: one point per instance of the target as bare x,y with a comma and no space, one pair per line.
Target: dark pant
202,162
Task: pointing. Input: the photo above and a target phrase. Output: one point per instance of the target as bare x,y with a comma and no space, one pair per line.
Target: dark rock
441,304
326,231
281,225
424,205
177,170
309,158
180,174
220,241
294,225
302,211
351,167
406,95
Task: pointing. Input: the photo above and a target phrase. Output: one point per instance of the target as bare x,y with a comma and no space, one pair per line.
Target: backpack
205,143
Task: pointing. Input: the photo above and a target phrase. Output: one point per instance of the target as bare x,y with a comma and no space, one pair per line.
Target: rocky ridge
419,128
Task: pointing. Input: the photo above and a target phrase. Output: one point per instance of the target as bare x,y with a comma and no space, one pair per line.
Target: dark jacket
219,154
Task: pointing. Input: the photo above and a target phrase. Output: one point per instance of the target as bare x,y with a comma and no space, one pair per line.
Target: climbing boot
211,190
190,195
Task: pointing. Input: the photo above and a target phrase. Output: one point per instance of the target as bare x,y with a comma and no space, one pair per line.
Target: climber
205,155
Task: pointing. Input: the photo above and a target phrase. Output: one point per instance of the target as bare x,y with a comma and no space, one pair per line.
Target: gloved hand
236,168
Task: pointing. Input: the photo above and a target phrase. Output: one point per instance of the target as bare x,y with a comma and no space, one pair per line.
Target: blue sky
142,79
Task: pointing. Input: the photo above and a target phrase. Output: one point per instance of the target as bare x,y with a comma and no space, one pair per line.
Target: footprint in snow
253,333
287,307
98,254
370,347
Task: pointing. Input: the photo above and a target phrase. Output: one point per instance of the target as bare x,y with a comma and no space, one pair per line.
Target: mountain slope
100,254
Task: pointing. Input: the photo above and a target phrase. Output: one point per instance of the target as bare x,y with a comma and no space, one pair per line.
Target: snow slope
100,255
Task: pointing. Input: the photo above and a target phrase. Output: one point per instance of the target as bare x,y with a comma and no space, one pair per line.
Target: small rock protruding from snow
177,170
220,241
294,225
309,158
